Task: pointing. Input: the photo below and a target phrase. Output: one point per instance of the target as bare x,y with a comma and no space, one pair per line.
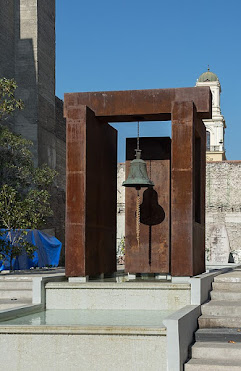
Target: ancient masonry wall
7,38
26,70
46,82
58,195
223,210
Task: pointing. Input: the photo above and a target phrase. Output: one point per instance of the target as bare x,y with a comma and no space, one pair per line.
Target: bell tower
215,127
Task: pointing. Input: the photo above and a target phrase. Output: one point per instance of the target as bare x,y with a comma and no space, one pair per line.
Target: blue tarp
47,253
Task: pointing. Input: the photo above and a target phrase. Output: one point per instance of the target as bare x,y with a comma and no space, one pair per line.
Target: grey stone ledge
118,286
84,330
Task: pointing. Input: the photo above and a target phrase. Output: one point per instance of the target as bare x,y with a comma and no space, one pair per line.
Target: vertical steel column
90,194
187,192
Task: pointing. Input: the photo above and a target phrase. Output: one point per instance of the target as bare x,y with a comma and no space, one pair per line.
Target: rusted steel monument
172,234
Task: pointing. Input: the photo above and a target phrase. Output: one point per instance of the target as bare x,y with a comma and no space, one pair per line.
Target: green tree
24,189
8,102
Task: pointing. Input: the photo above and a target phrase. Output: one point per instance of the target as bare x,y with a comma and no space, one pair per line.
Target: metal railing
215,148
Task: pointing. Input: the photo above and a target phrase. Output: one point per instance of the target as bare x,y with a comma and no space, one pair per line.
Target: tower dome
208,76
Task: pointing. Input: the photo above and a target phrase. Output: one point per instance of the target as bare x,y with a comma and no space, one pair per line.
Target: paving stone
233,276
222,335
227,286
222,308
207,321
9,304
225,295
212,365
217,350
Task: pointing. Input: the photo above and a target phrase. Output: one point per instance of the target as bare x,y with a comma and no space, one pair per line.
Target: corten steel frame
91,174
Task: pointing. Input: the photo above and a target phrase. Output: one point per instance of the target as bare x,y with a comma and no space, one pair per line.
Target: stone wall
223,211
60,136
27,37
46,82
7,41
7,38
58,196
26,71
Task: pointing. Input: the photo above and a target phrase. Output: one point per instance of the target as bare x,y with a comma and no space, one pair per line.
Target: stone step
222,308
233,276
207,321
212,365
10,304
12,284
227,286
216,350
221,335
5,277
225,295
16,294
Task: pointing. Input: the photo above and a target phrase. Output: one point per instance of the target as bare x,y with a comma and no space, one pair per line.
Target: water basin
95,318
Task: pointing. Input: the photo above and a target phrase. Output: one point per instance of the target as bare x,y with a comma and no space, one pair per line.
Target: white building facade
216,126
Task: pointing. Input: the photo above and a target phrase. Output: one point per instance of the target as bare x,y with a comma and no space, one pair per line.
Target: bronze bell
138,177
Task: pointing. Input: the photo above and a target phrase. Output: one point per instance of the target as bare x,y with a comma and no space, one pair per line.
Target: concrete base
218,345
140,295
180,328
162,277
131,276
180,279
220,335
216,355
212,365
224,310
107,346
78,279
74,351
214,266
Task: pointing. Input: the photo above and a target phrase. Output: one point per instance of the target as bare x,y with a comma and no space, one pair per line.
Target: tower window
208,140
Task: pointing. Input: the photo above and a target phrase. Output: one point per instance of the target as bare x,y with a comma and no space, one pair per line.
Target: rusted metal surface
151,105
152,255
199,228
75,191
91,182
91,195
187,227
101,197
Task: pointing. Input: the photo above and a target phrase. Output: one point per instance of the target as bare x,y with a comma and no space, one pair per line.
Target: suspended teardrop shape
138,177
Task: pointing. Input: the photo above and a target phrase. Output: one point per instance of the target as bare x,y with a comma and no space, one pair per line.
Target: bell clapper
138,218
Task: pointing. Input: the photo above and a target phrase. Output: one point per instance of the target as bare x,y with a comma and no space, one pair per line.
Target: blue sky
137,44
